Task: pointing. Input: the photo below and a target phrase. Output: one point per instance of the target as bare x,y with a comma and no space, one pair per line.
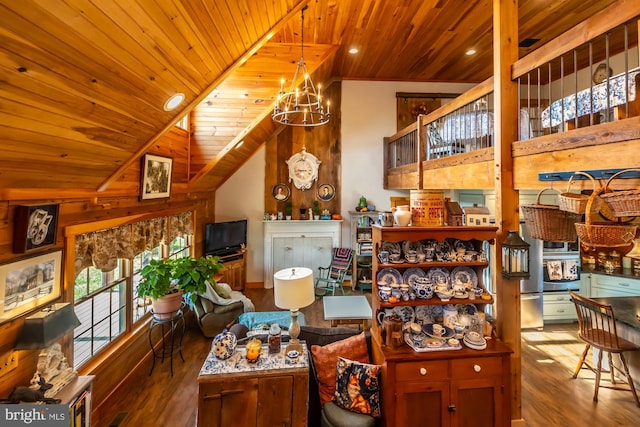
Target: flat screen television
225,238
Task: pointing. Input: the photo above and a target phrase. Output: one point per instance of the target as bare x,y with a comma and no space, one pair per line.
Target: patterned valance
149,234
180,225
103,248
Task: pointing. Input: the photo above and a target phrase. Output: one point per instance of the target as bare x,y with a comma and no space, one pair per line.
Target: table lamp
42,330
293,289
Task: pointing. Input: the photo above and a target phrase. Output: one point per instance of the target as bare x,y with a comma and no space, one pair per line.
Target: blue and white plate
428,329
438,275
411,274
406,313
389,276
466,275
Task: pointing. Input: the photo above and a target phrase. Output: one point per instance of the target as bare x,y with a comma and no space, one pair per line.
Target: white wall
242,196
368,115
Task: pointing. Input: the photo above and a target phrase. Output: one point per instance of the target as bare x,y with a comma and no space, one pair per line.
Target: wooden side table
273,391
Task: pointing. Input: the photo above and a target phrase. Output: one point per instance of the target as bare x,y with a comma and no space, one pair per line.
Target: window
105,302
99,302
183,123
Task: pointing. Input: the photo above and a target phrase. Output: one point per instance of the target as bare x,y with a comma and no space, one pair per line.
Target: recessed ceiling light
174,101
353,51
470,52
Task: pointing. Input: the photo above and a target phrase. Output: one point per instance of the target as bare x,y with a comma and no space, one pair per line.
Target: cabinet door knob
452,408
423,371
477,368
288,248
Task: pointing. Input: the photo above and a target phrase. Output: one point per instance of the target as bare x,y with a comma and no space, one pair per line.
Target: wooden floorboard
550,397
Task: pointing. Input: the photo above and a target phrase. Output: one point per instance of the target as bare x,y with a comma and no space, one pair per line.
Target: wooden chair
332,277
597,324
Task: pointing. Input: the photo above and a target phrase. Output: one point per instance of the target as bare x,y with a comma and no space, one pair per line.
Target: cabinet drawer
559,310
412,371
481,367
622,284
556,297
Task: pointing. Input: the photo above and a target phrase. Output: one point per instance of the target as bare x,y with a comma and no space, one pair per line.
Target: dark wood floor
550,397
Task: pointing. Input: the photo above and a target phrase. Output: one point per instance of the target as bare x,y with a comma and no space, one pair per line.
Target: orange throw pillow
325,360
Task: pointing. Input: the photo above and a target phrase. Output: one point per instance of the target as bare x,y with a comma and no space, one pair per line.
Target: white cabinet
558,306
298,244
613,286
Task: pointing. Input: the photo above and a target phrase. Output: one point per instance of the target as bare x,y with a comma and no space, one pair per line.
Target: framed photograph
35,227
326,192
410,105
281,192
156,177
29,284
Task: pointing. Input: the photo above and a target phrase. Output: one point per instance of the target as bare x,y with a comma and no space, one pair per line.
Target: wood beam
505,53
241,60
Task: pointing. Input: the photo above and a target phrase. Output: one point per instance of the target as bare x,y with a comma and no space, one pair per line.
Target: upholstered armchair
213,318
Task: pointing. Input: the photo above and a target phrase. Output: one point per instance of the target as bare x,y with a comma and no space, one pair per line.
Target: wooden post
506,104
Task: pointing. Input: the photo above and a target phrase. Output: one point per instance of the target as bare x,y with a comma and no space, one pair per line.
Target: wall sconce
293,289
515,257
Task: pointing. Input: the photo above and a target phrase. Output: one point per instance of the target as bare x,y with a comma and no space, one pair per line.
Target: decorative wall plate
389,276
281,192
466,275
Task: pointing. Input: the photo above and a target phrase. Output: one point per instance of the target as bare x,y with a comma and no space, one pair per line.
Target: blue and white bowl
224,344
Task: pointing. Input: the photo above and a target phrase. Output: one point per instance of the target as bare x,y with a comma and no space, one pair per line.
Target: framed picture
35,227
326,192
410,105
281,192
156,177
30,283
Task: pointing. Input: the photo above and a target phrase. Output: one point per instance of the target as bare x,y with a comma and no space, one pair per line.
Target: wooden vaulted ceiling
83,82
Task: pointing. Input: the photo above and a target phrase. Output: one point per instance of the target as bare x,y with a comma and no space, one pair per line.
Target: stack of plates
474,341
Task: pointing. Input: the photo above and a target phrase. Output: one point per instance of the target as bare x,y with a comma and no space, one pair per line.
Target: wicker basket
548,222
576,202
622,203
605,234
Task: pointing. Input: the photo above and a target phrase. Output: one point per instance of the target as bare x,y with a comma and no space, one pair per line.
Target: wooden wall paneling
468,176
607,156
324,142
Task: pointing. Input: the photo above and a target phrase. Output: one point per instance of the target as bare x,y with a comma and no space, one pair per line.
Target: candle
305,116
282,85
253,350
328,106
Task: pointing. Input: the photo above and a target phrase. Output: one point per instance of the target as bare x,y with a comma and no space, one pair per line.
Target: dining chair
597,327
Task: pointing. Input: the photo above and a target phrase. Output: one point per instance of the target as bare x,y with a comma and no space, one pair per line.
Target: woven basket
548,222
576,202
605,234
622,203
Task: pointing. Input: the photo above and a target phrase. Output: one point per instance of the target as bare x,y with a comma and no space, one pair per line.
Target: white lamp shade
293,288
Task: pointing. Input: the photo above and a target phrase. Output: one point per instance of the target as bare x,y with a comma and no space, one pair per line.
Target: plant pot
316,217
167,306
288,217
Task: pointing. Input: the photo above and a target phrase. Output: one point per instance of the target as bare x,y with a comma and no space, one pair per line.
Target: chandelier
300,107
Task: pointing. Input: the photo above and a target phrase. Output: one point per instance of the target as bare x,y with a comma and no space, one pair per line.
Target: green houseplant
169,282
288,209
316,209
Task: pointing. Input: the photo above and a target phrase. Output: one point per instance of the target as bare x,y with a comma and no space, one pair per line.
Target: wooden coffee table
347,310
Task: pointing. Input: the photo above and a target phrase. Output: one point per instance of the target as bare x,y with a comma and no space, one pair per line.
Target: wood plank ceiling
83,82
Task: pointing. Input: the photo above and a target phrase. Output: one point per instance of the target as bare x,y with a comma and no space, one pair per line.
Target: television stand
234,272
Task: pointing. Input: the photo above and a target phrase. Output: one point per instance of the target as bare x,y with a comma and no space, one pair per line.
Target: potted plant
191,274
288,209
169,282
316,209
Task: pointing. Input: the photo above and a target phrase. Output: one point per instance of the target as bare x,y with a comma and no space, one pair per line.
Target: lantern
515,257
